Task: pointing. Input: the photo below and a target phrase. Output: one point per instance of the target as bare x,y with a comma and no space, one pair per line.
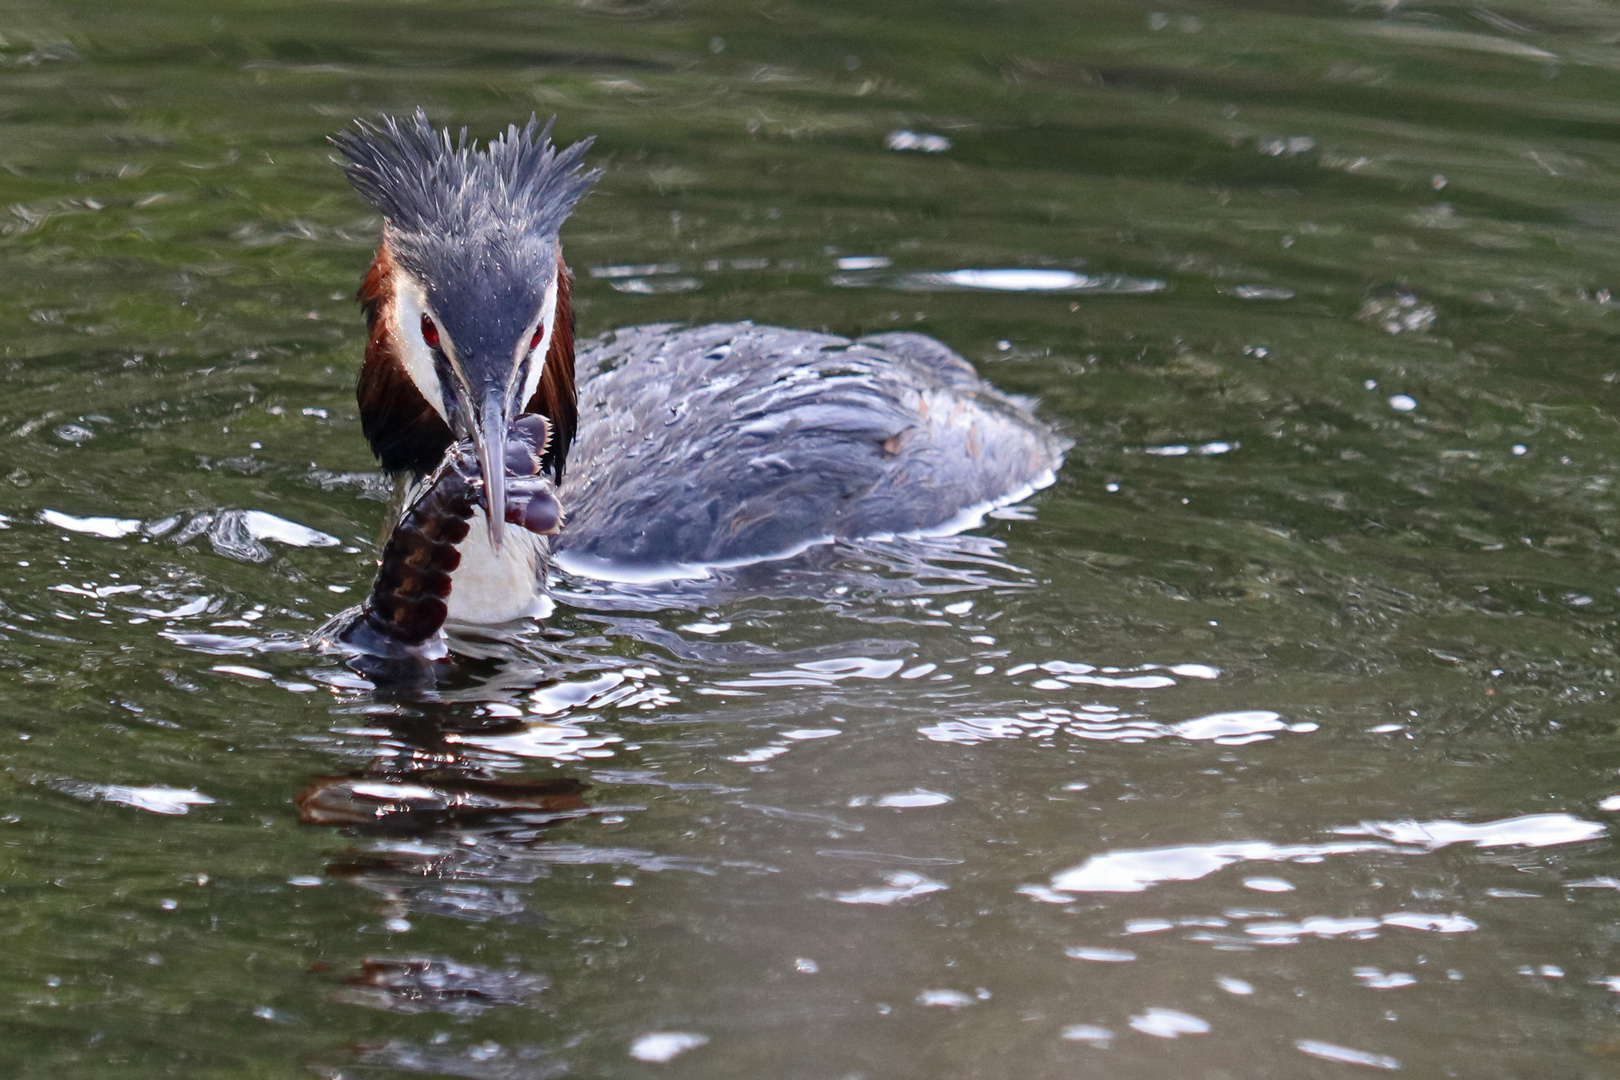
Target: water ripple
1138,870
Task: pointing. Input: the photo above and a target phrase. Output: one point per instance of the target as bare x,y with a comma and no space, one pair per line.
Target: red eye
539,332
430,333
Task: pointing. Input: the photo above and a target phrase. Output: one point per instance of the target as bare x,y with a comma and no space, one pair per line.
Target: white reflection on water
91,526
1127,682
1139,870
1262,292
898,888
1439,37
626,688
757,755
1014,280
157,800
241,671
1333,1052
1107,724
658,1047
780,746
1535,830
656,286
1322,926
821,672
1595,883
92,591
263,526
1101,956
1094,1034
553,742
1212,449
643,270
240,534
1169,1023
1439,924
902,800
945,999
1377,979
998,279
381,789
921,141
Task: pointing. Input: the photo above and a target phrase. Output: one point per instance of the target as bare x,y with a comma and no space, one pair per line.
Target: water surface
1275,739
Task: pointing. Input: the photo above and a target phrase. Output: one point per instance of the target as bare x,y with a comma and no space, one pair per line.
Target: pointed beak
489,444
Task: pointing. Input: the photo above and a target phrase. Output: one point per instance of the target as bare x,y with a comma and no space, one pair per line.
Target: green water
1336,351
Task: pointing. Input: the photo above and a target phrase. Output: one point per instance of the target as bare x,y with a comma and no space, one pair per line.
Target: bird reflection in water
446,828
415,984
440,831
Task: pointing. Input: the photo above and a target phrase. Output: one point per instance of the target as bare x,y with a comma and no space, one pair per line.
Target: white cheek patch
423,370
537,358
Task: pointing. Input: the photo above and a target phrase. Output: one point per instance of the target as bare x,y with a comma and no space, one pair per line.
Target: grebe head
467,300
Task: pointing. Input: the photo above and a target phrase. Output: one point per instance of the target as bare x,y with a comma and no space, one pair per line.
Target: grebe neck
498,587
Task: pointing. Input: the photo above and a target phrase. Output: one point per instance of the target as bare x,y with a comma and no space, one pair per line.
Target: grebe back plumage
734,443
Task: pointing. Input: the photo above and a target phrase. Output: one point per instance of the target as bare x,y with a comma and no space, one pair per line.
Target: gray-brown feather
736,442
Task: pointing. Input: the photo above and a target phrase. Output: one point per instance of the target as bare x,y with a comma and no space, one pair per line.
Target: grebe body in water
729,444
664,451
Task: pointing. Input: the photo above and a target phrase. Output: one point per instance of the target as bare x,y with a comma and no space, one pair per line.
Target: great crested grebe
658,451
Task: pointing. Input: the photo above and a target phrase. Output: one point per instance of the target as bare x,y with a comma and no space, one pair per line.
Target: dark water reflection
1275,739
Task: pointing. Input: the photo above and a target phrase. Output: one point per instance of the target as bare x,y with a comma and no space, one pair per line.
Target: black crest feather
422,181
